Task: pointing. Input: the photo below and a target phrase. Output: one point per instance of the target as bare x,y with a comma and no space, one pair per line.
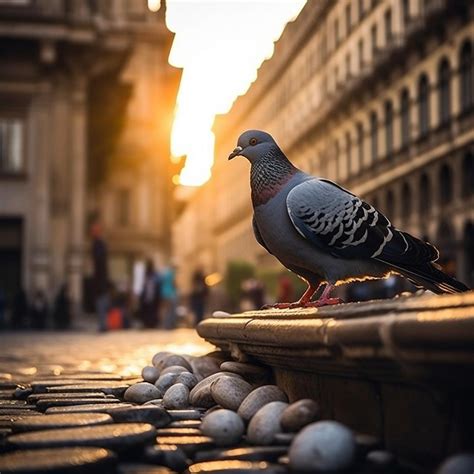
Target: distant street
25,354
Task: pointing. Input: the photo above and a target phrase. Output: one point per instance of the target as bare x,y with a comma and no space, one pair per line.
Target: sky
220,45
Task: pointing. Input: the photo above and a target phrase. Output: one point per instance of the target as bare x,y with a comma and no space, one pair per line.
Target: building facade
74,78
376,95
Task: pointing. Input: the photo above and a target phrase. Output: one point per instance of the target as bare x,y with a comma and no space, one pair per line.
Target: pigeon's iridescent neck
268,175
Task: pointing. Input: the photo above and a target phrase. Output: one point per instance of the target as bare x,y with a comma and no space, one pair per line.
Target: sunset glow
220,44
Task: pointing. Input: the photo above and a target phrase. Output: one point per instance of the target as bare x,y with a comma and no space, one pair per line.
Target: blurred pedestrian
198,296
62,309
20,310
38,310
150,297
253,295
100,278
169,297
285,289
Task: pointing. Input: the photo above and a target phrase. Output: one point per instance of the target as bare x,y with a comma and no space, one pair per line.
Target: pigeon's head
253,144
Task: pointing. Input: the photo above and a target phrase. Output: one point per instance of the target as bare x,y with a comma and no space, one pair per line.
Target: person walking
169,296
100,278
150,297
20,310
38,311
62,309
198,296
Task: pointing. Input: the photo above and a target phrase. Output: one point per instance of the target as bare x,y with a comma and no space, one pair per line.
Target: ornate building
86,96
376,95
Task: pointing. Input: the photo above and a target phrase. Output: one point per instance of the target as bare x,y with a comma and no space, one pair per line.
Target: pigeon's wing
258,235
345,226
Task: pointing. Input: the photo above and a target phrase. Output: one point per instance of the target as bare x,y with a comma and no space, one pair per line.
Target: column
39,218
77,156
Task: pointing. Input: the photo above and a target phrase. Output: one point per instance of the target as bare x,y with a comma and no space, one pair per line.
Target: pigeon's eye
253,141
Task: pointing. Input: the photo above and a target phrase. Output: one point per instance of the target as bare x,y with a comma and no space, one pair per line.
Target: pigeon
324,233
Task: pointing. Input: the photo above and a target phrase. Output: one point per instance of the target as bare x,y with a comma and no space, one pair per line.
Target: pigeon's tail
431,278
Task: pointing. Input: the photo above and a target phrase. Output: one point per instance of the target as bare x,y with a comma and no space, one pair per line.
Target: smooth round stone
64,402
117,437
458,464
185,424
251,372
150,374
174,359
169,431
142,469
189,444
36,397
167,455
225,427
109,388
178,415
202,398
235,467
266,423
176,397
174,369
257,453
157,402
61,461
158,357
205,366
299,414
206,383
230,392
188,379
258,398
141,392
48,422
92,408
156,416
324,445
380,460
165,382
22,392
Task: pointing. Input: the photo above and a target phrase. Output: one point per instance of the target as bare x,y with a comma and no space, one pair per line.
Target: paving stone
284,439
60,421
91,408
257,453
109,388
167,455
8,385
235,467
179,432
189,444
142,469
61,461
41,386
118,437
185,424
5,376
156,416
35,397
178,415
19,412
64,402
13,403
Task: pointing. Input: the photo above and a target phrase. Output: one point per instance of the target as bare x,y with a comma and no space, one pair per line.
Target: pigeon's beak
236,152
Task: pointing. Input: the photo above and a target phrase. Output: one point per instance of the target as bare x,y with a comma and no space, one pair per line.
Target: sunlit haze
220,44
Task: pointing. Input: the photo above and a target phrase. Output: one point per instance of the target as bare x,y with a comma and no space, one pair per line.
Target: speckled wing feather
340,223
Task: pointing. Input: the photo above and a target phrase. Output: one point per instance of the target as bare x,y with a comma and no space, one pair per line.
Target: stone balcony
400,369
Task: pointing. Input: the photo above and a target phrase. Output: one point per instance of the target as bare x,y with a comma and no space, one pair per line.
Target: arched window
405,117
373,137
466,76
360,145
348,154
444,91
390,204
388,128
406,200
445,184
425,195
423,105
468,175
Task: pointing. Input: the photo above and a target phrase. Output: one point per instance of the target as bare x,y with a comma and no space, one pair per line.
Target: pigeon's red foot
277,306
323,302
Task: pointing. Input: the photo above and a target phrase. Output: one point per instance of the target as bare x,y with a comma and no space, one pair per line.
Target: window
405,117
388,127
348,18
123,207
361,54
348,154
406,200
466,73
360,145
348,65
423,105
11,146
373,136
444,91
425,194
468,175
446,184
388,26
406,11
373,35
361,9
